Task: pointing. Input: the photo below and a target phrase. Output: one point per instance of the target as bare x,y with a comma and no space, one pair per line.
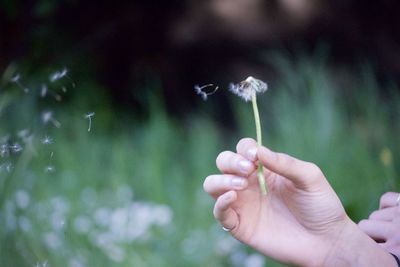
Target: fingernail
228,196
238,182
252,153
245,166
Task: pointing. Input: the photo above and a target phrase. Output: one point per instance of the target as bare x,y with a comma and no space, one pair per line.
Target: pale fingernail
252,153
245,166
238,182
228,196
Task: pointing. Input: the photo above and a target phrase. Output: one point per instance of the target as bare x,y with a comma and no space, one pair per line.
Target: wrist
354,248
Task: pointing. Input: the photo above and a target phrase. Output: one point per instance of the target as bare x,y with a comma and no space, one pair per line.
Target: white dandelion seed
43,90
47,140
49,169
47,116
89,116
55,76
200,90
17,80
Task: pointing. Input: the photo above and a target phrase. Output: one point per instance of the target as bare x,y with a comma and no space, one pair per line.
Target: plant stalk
260,171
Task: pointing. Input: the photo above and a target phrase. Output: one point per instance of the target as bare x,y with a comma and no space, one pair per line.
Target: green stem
260,172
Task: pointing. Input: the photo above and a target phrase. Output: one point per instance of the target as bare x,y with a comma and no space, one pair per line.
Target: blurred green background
129,191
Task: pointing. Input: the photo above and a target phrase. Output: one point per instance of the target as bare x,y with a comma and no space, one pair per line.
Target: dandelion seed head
245,89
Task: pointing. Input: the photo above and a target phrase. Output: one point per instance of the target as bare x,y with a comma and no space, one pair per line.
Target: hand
301,221
383,225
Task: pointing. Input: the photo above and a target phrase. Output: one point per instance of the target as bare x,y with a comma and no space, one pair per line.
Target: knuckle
314,171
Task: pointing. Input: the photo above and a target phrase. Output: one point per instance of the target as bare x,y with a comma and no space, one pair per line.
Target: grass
129,192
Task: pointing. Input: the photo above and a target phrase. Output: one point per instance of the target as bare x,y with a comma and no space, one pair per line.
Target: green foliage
129,193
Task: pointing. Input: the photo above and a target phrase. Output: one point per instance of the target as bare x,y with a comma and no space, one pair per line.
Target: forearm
354,248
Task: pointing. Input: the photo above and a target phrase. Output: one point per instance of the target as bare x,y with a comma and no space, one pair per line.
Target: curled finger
216,185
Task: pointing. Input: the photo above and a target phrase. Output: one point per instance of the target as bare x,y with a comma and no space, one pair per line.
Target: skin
383,224
300,222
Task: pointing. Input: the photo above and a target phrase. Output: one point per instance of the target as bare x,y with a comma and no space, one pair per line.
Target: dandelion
89,116
200,90
47,116
248,90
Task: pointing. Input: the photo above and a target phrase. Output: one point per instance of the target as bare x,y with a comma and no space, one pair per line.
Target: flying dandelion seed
89,116
17,80
58,75
49,169
200,90
47,140
43,90
47,116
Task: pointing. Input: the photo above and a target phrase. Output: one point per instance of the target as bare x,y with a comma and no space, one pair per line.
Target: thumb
303,174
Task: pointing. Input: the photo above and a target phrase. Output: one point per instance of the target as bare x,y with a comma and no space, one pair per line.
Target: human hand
383,225
295,222
300,222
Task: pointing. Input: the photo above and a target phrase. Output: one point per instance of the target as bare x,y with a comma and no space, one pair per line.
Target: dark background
124,44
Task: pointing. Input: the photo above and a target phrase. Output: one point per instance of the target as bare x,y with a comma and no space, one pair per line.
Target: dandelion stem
260,172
